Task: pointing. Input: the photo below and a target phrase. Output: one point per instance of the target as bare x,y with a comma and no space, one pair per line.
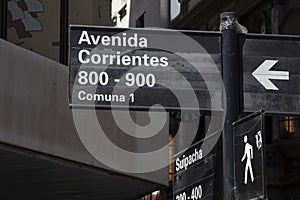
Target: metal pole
263,129
229,31
64,31
3,15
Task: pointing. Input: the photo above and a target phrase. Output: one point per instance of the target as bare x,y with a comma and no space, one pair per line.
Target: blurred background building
41,26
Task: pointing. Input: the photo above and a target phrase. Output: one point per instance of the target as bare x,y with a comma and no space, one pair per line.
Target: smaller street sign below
198,171
249,157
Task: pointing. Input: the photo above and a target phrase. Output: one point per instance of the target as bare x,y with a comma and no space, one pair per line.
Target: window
140,22
289,127
122,13
175,9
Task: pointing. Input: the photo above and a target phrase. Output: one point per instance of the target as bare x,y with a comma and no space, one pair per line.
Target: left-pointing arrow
263,74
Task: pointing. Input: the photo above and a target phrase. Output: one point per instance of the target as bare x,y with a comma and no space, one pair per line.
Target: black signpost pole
3,16
230,77
64,31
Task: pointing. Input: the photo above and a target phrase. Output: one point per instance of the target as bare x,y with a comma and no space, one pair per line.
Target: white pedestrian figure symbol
248,154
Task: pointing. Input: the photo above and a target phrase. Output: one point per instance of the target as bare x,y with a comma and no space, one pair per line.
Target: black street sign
271,73
198,172
140,68
249,157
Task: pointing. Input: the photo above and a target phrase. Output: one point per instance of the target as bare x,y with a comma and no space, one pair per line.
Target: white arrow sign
263,74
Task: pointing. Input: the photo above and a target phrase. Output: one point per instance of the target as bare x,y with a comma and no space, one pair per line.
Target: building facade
41,27
270,17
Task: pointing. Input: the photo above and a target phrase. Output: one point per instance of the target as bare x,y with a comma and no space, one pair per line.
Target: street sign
141,68
271,73
198,172
249,157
